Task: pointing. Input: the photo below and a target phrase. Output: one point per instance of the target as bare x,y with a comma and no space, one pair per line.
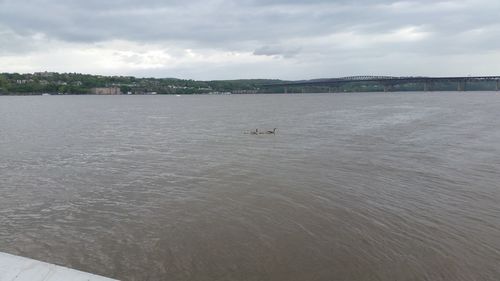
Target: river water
355,187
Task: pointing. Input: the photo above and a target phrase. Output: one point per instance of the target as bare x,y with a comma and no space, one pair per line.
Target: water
353,186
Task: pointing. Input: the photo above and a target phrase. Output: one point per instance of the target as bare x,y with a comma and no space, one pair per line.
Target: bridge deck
382,79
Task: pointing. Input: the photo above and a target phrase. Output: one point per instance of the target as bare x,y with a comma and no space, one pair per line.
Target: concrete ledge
15,268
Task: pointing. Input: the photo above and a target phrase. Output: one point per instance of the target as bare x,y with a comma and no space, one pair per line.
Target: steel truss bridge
388,82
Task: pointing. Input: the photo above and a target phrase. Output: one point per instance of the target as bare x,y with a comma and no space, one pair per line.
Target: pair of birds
256,132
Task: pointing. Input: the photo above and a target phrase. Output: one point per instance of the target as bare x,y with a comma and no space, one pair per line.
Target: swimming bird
256,132
273,132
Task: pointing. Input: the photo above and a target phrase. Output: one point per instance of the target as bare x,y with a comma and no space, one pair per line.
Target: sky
233,39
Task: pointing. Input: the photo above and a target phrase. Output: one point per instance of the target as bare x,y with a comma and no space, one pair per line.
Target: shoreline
238,94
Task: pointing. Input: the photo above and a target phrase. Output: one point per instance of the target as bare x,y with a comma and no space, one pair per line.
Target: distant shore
53,83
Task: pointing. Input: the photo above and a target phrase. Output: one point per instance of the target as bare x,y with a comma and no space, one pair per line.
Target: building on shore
244,92
44,74
106,91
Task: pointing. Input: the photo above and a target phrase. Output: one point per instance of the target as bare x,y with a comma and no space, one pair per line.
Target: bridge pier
387,87
333,89
498,85
462,86
428,86
286,90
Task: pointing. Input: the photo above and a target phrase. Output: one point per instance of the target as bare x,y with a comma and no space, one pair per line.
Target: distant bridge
388,82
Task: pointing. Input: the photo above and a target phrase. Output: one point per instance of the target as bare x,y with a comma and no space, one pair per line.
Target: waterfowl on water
256,132
272,132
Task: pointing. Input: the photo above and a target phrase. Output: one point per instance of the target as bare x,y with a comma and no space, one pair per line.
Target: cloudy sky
226,39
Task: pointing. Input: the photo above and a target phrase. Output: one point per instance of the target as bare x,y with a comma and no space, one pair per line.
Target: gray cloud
280,51
325,32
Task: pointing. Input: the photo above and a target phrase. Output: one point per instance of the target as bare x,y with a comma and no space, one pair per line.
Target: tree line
76,83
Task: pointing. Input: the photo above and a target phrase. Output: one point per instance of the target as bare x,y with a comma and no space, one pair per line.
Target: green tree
4,83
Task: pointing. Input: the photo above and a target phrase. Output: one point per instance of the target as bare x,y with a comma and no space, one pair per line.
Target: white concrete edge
15,268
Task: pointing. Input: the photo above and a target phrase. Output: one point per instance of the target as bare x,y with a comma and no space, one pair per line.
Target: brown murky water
353,187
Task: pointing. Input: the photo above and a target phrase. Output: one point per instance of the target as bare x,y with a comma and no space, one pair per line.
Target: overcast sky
226,39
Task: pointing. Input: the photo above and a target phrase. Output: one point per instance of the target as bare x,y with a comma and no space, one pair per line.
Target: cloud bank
225,39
